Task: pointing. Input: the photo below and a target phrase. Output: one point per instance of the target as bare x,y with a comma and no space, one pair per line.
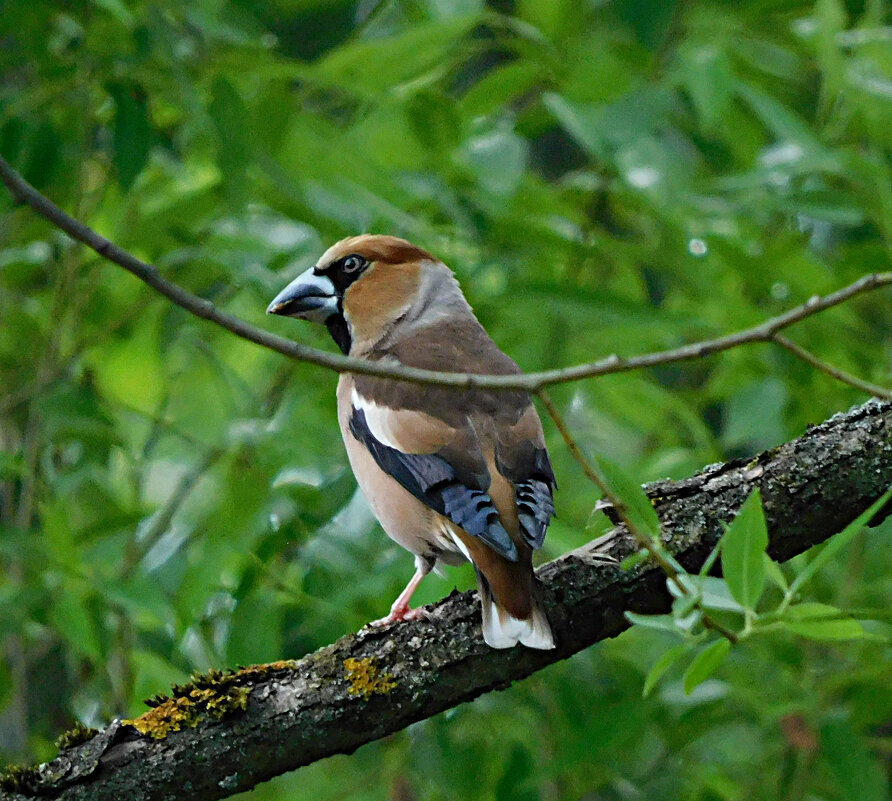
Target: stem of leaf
652,546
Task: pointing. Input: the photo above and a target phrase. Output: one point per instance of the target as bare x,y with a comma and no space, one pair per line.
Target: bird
452,475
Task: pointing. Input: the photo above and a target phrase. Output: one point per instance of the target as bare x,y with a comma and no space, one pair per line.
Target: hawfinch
451,474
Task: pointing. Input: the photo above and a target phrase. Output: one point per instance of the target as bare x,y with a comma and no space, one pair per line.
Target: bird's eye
352,263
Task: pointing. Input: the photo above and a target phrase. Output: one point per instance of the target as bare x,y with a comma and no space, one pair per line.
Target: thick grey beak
308,297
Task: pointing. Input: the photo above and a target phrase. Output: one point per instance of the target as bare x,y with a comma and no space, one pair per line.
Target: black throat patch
340,331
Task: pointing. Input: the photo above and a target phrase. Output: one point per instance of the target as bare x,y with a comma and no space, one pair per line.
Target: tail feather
502,630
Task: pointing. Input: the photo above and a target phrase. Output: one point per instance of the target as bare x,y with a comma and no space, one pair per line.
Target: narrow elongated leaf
845,629
774,572
705,664
785,123
658,622
118,10
515,783
715,594
229,115
666,661
132,132
638,506
683,605
710,561
811,610
839,541
633,559
708,79
72,619
397,58
743,552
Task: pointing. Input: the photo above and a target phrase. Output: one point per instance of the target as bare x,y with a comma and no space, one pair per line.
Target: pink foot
401,613
401,609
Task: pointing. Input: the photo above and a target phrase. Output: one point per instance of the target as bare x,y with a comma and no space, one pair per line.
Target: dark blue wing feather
535,508
431,479
529,469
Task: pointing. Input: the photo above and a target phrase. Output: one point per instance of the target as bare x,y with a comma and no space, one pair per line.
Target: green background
602,176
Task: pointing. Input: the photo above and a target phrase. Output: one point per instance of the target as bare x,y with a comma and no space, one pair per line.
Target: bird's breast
405,519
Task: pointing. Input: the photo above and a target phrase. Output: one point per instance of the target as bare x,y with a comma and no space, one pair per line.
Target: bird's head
364,285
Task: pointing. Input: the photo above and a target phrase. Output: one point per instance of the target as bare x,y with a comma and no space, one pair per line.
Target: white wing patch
447,540
377,418
461,546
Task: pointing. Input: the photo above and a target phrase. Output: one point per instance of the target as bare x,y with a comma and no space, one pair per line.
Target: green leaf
256,631
582,121
118,9
836,543
634,559
829,630
754,415
132,137
786,124
230,117
447,9
130,370
773,571
657,622
710,560
743,552
383,63
705,664
684,610
666,660
809,610
637,505
709,80
817,621
516,782
498,160
435,121
73,621
859,775
490,92
11,465
828,207
715,594
152,673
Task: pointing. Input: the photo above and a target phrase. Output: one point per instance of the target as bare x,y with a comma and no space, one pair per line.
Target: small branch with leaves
727,605
636,511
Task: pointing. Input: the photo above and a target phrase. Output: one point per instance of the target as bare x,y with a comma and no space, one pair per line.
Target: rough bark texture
323,704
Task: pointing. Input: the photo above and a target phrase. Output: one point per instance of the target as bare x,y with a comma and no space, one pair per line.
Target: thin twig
23,192
829,369
645,542
600,481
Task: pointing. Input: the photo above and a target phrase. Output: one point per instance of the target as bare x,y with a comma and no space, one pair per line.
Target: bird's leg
401,609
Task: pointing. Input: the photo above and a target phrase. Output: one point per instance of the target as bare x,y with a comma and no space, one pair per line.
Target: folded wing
454,489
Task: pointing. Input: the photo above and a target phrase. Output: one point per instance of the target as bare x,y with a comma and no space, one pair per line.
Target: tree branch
278,717
766,331
834,372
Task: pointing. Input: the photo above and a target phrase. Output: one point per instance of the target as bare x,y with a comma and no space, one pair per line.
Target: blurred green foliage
603,176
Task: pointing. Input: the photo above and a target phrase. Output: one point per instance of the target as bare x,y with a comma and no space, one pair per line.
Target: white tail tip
502,630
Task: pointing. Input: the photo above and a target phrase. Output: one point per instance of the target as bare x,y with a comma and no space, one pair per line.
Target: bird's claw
398,614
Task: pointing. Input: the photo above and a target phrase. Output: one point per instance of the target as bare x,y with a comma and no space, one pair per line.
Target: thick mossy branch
243,727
